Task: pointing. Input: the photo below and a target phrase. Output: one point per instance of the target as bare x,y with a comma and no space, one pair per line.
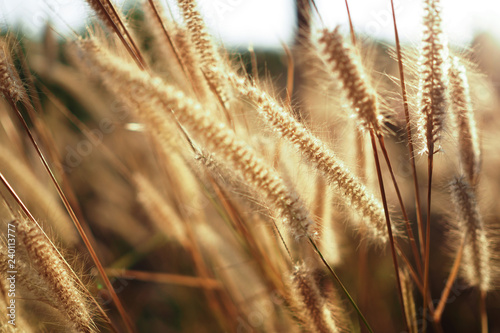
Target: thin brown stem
169,38
85,130
389,227
223,105
430,164
411,237
449,282
418,283
408,133
363,287
32,218
351,27
109,286
176,279
412,272
118,28
484,314
47,141
253,61
290,74
344,289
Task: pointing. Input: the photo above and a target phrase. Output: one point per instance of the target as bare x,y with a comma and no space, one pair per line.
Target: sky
267,23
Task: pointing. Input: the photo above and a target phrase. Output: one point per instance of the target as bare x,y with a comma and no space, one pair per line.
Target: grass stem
344,289
389,226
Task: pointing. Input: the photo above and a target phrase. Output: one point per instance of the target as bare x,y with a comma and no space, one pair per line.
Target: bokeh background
471,26
234,20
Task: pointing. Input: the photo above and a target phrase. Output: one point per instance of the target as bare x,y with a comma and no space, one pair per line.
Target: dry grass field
153,180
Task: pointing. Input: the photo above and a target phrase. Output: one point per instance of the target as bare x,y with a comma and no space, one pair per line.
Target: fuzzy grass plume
433,78
258,181
54,272
476,265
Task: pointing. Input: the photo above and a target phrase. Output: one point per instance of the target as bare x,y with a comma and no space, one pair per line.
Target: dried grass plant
157,181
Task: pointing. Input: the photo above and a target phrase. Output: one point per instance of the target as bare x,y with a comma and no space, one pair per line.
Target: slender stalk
430,164
169,39
141,62
47,141
363,287
109,286
289,75
411,237
363,251
222,104
409,133
120,29
389,228
412,272
253,62
418,283
85,130
32,218
437,325
351,27
344,289
218,301
484,314
175,279
449,282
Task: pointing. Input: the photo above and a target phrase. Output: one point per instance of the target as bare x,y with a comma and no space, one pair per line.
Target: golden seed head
343,62
476,265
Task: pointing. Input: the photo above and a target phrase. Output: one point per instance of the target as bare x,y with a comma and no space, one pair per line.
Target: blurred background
234,20
472,26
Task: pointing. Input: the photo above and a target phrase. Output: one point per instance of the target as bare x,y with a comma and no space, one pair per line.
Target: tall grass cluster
160,182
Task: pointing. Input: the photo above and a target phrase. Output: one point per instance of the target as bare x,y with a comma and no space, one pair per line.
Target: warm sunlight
249,166
233,20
